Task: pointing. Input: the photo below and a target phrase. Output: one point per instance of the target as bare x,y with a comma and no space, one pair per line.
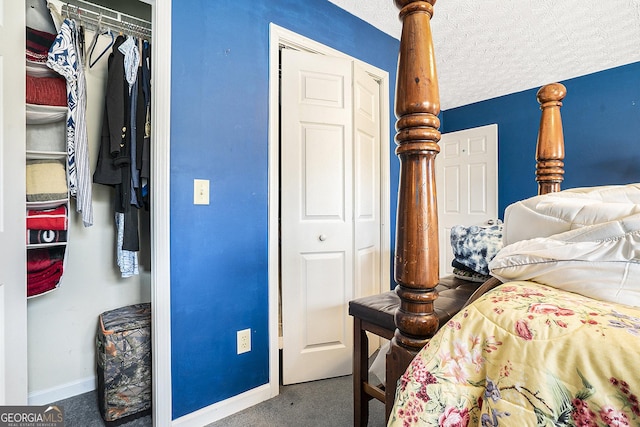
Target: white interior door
366,173
330,209
316,215
467,183
13,288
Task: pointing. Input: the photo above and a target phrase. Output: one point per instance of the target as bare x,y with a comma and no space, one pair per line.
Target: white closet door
317,216
330,209
366,187
13,287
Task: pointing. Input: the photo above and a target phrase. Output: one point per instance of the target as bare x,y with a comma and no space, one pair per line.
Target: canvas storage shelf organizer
47,191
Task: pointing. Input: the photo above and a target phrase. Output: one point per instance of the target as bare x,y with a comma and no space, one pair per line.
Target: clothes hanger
107,32
96,34
78,29
81,41
99,32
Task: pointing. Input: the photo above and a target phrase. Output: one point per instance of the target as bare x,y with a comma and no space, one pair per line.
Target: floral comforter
527,355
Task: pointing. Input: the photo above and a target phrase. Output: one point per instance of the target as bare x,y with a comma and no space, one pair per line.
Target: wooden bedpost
416,251
550,145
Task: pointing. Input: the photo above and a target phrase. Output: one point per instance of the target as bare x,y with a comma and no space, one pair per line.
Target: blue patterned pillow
474,246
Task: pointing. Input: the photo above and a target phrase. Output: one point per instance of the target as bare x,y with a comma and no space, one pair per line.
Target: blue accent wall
219,132
601,122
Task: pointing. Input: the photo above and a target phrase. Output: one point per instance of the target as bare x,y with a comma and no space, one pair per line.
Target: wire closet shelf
96,18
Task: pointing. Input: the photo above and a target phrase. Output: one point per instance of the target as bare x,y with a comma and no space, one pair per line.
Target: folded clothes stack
38,44
47,219
45,265
46,91
47,226
46,180
44,269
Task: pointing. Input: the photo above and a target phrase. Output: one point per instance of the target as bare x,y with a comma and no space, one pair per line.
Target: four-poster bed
429,394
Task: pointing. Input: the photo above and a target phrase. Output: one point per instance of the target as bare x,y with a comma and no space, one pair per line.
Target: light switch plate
200,191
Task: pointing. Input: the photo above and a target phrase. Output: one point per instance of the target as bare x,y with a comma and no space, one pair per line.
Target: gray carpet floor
315,404
82,411
325,403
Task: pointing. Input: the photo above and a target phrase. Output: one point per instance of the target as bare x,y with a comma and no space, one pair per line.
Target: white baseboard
225,408
64,391
198,418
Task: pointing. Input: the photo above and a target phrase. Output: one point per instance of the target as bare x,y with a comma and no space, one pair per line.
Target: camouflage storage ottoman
123,344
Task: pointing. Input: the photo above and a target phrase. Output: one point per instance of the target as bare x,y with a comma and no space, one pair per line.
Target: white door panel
316,216
330,209
322,150
366,173
13,288
467,183
367,221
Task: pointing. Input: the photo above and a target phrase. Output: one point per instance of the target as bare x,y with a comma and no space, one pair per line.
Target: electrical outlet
244,341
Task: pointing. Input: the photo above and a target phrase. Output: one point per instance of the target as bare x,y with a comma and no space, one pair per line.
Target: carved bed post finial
416,252
550,146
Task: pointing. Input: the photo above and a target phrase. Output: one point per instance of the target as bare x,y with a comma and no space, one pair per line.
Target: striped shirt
64,58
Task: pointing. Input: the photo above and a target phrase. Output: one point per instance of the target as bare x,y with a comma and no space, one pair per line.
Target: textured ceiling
490,48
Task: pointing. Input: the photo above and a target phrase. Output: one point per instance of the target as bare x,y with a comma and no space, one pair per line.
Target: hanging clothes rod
95,17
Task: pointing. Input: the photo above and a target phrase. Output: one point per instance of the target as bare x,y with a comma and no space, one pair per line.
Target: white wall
62,324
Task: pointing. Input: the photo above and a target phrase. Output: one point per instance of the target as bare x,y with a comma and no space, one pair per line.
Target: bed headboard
416,249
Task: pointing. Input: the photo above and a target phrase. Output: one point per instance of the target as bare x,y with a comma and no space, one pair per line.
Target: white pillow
549,214
600,261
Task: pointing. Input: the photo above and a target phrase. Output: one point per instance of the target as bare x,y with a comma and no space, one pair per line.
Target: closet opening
287,51
106,265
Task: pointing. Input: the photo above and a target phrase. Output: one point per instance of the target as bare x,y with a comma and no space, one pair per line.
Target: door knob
322,237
